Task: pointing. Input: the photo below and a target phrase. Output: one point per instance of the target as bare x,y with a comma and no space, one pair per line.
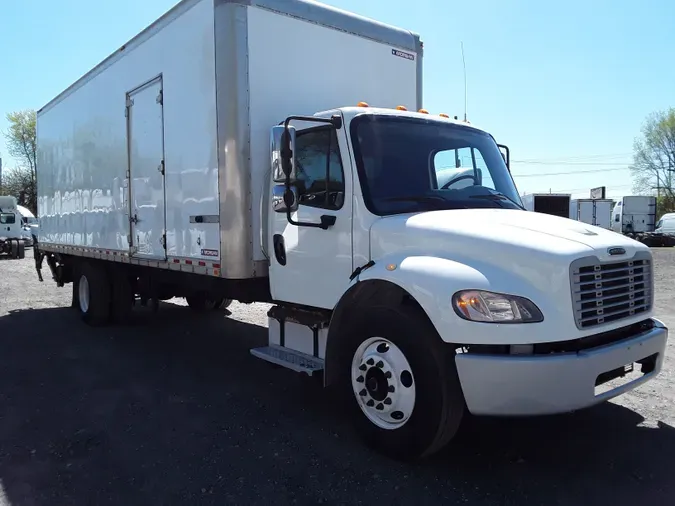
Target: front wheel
405,396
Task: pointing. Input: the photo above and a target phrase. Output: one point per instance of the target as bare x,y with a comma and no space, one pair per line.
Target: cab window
320,178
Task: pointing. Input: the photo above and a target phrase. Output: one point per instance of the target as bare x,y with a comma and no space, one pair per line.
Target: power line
592,171
573,158
570,163
608,188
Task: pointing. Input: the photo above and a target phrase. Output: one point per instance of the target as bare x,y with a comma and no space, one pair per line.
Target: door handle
327,221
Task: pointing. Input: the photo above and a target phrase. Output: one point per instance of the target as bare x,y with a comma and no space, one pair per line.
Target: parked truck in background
277,151
596,212
635,217
556,204
12,241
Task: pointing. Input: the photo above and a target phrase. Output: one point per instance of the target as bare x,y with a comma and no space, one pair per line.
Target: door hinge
160,97
162,241
160,167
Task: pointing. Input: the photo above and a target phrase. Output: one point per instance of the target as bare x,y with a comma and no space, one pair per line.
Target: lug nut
370,361
363,367
391,388
370,403
380,364
387,374
360,379
387,401
363,392
379,406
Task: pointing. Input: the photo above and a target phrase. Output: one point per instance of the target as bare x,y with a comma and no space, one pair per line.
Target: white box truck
634,214
596,212
276,151
12,233
635,217
556,204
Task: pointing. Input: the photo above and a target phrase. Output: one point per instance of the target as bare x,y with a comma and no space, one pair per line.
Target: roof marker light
362,104
401,108
443,115
423,111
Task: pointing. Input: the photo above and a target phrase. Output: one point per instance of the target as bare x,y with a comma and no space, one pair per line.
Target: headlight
490,307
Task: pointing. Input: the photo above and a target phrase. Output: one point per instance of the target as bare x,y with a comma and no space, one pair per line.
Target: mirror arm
508,155
336,122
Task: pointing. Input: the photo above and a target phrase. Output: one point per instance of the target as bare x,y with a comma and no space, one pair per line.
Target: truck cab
442,296
12,241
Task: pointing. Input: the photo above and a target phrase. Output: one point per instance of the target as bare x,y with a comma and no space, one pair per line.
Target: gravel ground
174,410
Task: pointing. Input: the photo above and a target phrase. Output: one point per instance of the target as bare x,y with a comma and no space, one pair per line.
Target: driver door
311,266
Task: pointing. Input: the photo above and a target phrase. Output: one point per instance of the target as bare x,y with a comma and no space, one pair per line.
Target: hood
496,236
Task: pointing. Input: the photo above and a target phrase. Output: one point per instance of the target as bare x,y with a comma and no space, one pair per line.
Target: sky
566,85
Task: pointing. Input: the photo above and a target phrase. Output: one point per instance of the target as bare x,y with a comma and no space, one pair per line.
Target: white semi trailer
596,212
228,152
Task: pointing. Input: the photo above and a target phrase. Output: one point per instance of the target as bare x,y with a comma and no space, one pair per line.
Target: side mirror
282,151
284,199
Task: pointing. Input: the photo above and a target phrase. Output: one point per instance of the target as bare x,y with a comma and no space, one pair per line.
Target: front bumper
520,385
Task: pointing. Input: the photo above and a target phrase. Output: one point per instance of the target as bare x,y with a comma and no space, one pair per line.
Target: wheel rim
383,383
83,293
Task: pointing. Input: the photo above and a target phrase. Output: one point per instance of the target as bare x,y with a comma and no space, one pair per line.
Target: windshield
7,218
409,165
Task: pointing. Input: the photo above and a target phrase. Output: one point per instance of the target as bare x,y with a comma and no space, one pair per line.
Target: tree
654,157
21,141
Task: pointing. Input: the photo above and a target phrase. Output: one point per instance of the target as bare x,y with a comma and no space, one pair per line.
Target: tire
93,294
224,304
201,302
121,298
438,403
14,245
21,254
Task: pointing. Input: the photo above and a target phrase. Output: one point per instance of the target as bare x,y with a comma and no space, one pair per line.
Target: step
291,359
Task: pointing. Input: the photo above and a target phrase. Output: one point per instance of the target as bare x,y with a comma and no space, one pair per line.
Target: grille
607,292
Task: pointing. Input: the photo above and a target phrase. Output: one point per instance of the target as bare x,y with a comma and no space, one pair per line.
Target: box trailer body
277,151
634,214
189,102
556,204
596,212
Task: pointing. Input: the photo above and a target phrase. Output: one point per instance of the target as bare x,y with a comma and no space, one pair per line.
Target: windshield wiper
497,196
422,199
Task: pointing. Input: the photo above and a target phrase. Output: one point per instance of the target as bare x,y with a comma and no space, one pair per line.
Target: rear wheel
400,383
202,302
14,245
225,303
21,252
93,294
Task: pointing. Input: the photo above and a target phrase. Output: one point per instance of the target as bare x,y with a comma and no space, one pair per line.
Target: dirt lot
174,410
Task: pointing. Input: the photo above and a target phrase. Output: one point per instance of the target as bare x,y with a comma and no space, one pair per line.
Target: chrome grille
607,292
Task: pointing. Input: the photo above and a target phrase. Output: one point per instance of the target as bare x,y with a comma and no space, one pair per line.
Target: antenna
464,65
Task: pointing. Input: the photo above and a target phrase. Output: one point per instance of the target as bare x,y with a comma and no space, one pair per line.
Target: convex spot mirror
284,198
